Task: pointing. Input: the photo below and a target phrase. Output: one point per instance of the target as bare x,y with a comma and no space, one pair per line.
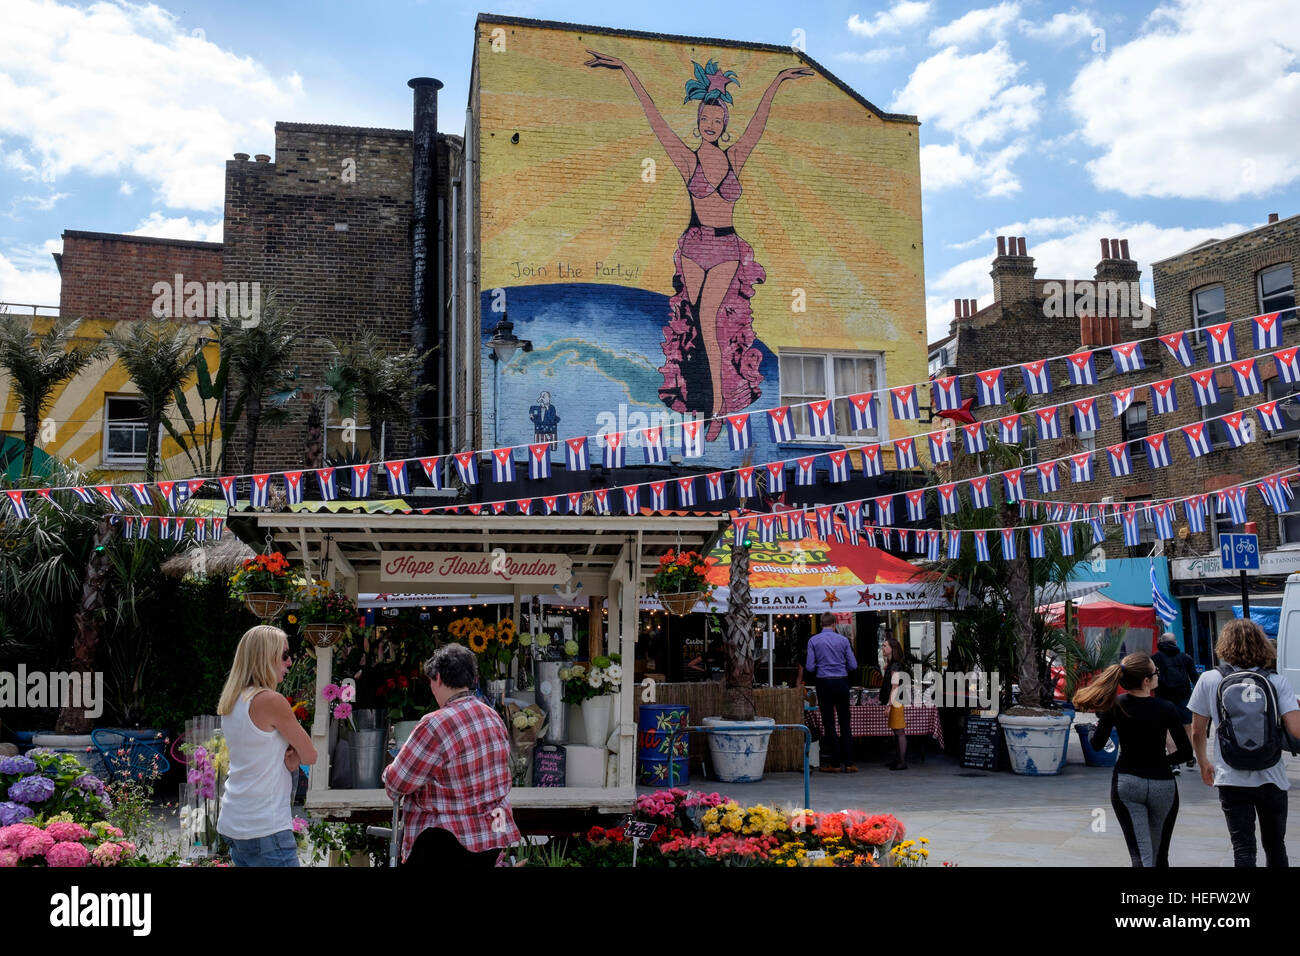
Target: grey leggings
1146,810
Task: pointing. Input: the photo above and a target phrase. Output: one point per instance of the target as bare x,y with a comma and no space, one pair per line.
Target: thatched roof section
220,558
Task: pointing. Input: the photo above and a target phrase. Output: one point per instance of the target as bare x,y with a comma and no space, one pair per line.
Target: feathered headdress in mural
710,84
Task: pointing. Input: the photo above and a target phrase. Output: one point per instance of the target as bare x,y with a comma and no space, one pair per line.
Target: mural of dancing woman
711,365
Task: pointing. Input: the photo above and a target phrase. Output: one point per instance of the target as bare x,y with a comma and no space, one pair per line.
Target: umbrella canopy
811,576
1097,613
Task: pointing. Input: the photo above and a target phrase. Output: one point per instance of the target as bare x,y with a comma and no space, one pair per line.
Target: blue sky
1164,124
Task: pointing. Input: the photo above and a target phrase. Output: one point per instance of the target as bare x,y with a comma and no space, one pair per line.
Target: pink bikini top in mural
699,185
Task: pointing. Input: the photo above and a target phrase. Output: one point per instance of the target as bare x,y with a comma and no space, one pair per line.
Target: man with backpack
1252,713
1177,677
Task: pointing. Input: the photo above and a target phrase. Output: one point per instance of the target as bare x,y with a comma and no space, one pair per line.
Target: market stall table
872,720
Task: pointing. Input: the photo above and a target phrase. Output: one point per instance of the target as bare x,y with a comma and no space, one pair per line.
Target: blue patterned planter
740,751
1036,745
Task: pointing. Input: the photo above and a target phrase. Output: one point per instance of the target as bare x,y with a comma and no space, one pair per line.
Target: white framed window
126,436
810,376
1289,410
1276,289
1207,309
1288,523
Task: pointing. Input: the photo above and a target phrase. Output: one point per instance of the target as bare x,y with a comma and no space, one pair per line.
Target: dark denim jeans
1240,807
833,700
278,849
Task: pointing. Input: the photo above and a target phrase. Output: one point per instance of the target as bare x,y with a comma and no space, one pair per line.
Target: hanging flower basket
266,605
681,602
324,635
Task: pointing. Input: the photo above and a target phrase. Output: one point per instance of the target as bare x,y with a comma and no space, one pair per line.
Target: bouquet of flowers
493,644
342,696
604,675
266,573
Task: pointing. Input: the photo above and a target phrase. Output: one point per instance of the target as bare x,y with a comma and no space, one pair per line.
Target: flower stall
559,696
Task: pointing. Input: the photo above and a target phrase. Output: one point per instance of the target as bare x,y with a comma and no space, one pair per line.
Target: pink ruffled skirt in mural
688,382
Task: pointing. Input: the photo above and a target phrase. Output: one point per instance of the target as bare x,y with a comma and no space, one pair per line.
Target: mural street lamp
502,347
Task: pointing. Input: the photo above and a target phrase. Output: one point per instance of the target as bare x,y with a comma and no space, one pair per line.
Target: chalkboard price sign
548,766
639,830
983,737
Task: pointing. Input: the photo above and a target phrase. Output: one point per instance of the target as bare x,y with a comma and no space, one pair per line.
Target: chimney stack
428,320
1013,271
1115,266
1272,218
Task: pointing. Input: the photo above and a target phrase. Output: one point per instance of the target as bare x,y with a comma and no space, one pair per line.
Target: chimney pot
1114,249
1272,217
262,158
242,157
1105,248
1020,244
1123,248
1002,245
974,306
956,308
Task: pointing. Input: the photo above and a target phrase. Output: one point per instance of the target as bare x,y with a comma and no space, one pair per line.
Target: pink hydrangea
12,836
107,854
67,832
8,858
300,825
68,854
38,844
128,849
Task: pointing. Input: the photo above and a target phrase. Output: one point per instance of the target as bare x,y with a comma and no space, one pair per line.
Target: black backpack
1173,676
1250,734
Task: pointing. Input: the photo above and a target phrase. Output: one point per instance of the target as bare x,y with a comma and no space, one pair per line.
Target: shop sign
1209,566
440,568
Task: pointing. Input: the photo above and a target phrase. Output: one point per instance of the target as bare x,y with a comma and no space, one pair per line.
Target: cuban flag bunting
905,453
1197,438
142,527
948,500
574,500
539,461
168,491
293,487
1098,531
1164,397
1082,369
1121,463
164,528
839,462
903,402
870,533
467,466
932,551
1067,538
1247,378
524,505
1270,418
21,511
395,471
178,532
940,449
780,424
979,492
575,452
915,505
804,473
1163,517
1127,357
360,481
715,486
885,510
740,529
1237,505
87,498
218,526
110,495
615,451
796,523
1176,343
982,546
1132,536
551,504
825,522
1205,387
871,461
1222,343
974,437
632,499
329,490
1037,547
1194,508
601,496
1239,430
990,386
838,533
1157,450
1085,415
128,526
188,489
692,441
1037,376
821,419
954,545
200,529
142,495
652,444
1049,425
1009,430
1288,365
947,393
1014,482
1164,606
767,528
862,412
775,477
475,510
1272,494
853,513
1008,543
659,496
745,485
1268,331
433,471
739,435
1122,398
45,493
1047,477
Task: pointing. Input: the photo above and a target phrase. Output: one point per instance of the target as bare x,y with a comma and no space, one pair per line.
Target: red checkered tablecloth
872,720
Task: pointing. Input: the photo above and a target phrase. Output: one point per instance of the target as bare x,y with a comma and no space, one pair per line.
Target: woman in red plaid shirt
456,768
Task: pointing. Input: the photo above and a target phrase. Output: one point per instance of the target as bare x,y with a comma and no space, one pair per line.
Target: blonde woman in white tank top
266,746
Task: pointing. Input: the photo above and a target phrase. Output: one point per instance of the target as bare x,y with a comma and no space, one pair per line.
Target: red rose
391,683
402,682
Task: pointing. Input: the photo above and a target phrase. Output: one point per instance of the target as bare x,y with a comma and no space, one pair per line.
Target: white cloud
178,227
1204,104
126,188
944,166
975,25
38,203
1064,27
878,55
1071,253
906,13
28,274
121,88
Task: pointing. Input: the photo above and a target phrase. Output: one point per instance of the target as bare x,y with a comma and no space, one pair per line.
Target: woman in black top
1143,790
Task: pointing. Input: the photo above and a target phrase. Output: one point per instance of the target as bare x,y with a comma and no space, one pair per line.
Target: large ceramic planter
1097,758
595,720
738,748
1036,745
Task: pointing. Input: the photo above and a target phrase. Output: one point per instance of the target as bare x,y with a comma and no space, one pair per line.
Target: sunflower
507,627
478,641
506,635
457,628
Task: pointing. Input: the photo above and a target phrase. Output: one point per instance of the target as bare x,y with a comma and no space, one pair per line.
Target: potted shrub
681,581
264,585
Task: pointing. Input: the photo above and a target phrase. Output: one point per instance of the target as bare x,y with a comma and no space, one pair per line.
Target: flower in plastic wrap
521,720
67,854
571,648
32,789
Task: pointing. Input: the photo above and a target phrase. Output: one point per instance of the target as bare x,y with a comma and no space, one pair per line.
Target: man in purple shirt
830,661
